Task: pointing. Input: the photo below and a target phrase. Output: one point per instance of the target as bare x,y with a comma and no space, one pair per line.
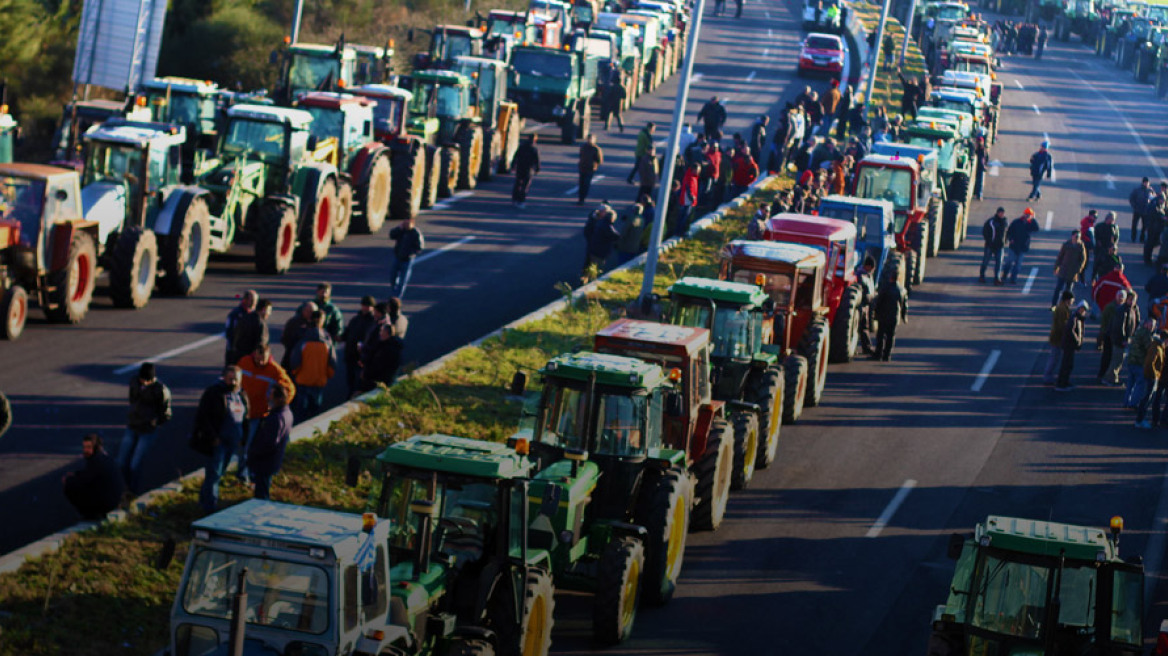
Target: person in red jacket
687,199
711,175
1108,286
745,171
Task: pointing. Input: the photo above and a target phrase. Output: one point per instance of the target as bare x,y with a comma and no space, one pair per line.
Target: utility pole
912,9
876,49
299,11
666,180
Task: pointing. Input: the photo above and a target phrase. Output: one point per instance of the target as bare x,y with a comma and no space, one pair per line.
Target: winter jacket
100,482
1137,348
644,143
1108,286
257,380
1123,324
334,321
1105,263
355,333
630,225
1106,236
381,359
591,157
1154,362
294,331
222,413
1041,164
713,115
1058,324
993,231
891,305
1139,199
314,359
1071,260
149,406
688,194
647,171
713,167
527,159
1018,234
1157,285
601,234
265,452
839,177
251,332
408,242
1105,317
758,134
1087,229
233,318
1073,333
745,170
831,101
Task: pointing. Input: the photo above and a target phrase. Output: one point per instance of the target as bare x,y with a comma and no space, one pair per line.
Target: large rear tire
318,216
745,449
470,148
371,203
766,391
14,310
715,472
409,184
933,218
185,251
133,268
795,372
950,225
344,210
71,288
665,515
433,174
531,632
618,589
275,238
814,347
451,164
916,267
845,329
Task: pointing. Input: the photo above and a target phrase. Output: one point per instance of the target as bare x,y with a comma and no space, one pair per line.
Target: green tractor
269,182
499,117
1037,587
1149,55
194,104
444,117
747,374
555,86
956,166
617,497
308,67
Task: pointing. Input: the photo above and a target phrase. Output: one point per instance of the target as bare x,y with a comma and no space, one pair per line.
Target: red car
822,53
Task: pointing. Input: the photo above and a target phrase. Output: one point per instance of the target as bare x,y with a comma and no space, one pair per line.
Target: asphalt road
498,264
803,564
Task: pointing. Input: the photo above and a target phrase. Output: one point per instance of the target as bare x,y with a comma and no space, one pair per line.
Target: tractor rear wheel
665,515
433,173
766,391
715,473
795,372
916,268
618,589
933,218
373,196
450,164
184,252
71,288
745,449
510,143
469,647
960,189
814,347
950,225
14,309
470,150
318,216
133,268
275,238
492,154
344,210
845,330
531,632
408,183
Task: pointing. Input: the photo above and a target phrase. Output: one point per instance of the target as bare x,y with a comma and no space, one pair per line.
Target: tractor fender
104,203
707,413
61,238
318,172
176,204
362,160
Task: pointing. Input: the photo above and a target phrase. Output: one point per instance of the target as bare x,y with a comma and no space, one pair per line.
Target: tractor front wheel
133,268
845,330
433,172
450,163
814,347
795,372
745,449
318,216
275,238
531,631
470,150
950,225
715,473
71,288
184,252
933,218
618,590
665,516
14,309
373,196
766,391
344,210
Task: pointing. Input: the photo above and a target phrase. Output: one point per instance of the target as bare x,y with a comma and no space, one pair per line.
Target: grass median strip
102,591
887,91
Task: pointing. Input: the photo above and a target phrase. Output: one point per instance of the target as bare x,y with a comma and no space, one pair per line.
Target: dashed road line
751,76
984,374
166,355
445,205
1030,280
573,190
448,247
1036,110
891,509
1019,84
1049,218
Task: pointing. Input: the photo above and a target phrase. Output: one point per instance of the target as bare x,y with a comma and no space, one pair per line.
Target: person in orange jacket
259,374
313,364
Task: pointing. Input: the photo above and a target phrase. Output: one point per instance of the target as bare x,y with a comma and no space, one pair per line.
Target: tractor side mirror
518,383
673,405
551,500
956,544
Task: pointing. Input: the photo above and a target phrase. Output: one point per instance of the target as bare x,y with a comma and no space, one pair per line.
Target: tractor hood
104,202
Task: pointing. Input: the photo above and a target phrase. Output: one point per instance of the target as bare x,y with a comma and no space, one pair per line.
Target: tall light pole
666,180
876,49
296,14
912,9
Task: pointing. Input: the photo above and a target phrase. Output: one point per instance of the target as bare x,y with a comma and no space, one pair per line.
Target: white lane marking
695,77
1019,84
751,76
766,52
1046,137
1132,131
448,247
573,190
1030,280
1110,180
984,374
770,32
1049,218
445,205
891,509
768,13
995,167
1036,111
166,355
1053,174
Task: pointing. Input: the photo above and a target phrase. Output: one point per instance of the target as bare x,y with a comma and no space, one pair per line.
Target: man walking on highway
993,232
1041,45
408,242
313,364
1018,240
1139,200
1041,164
1072,341
246,306
1068,265
891,310
1060,315
149,410
1104,342
713,117
738,4
610,108
591,157
526,167
220,422
644,144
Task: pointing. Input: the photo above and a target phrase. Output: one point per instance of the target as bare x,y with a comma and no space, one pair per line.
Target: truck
47,248
1023,586
555,86
792,275
909,182
956,166
746,371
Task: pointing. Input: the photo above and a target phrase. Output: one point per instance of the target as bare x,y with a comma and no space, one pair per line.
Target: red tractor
910,184
413,158
792,274
841,291
701,429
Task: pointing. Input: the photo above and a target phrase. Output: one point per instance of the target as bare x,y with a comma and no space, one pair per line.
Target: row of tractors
147,190
1133,36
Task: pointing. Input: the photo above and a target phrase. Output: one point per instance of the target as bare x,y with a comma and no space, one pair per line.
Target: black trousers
522,184
1066,367
585,185
885,338
1137,234
1105,357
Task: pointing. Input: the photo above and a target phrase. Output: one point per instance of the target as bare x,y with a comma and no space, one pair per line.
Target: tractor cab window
458,45
313,72
262,138
387,114
845,257
1080,584
619,417
1011,598
807,294
22,200
777,285
1127,605
565,418
399,493
622,424
886,183
695,314
326,122
112,162
734,332
951,12
549,64
452,100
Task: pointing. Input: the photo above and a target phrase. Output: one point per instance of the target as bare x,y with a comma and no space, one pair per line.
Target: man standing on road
265,454
313,364
294,330
1072,341
610,108
526,168
1060,315
1042,36
1068,265
353,336
149,409
591,157
867,292
1103,341
1137,351
1041,164
738,4
758,135
644,144
993,232
334,321
983,157
252,329
1018,239
220,422
1106,236
1124,324
1154,215
1157,287
260,375
891,311
1153,376
1139,199
246,306
713,117
97,489
408,242
648,171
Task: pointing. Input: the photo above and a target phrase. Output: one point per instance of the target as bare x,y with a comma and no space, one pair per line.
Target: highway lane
65,381
803,566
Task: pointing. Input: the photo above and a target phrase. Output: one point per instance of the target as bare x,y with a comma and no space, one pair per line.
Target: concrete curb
12,561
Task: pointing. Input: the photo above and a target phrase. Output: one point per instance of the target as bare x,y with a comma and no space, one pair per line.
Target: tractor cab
445,95
835,238
560,11
315,67
34,198
898,177
274,136
8,131
390,110
489,79
77,118
939,134
971,63
345,119
447,44
875,223
374,64
791,274
963,120
1024,586
193,104
508,29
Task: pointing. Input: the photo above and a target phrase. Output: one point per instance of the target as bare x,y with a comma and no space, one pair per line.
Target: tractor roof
457,455
332,100
953,93
34,171
942,113
382,91
267,522
1046,538
614,370
100,104
321,49
442,77
890,161
139,135
719,290
182,85
503,13
853,201
898,152
808,226
472,32
377,51
653,335
298,119
480,62
936,128
798,255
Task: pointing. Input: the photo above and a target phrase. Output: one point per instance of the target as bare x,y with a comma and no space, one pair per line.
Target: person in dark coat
220,422
247,305
353,336
993,232
1106,235
334,319
252,330
1154,215
910,97
408,243
610,108
97,489
758,135
294,330
381,358
1041,165
891,310
713,117
600,235
265,453
1069,265
1072,342
1139,199
1018,243
1157,286
526,167
149,410
591,157
843,113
